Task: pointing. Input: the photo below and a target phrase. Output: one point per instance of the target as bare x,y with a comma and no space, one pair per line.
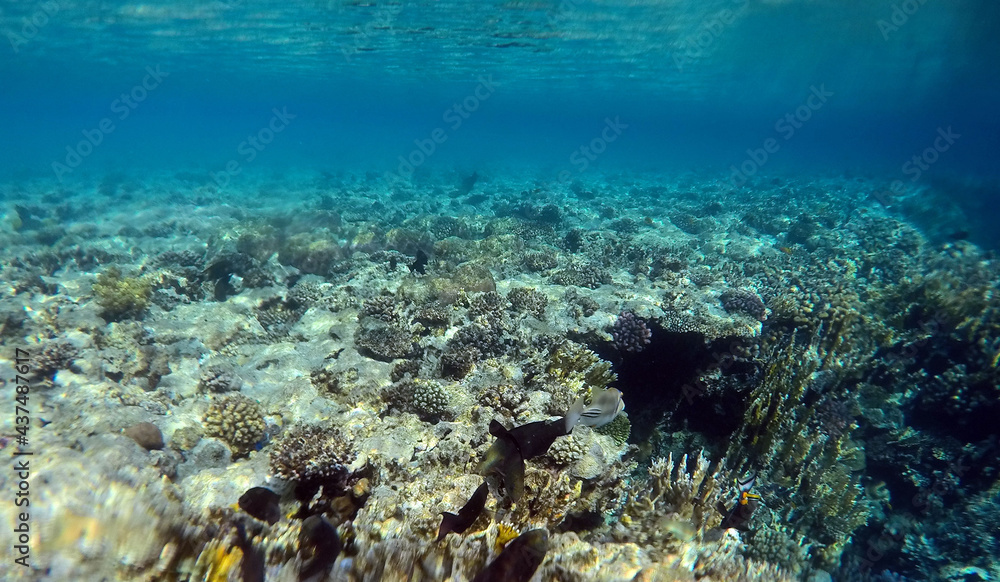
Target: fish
319,546
606,406
739,516
535,438
681,529
519,560
252,565
261,503
470,512
419,264
503,458
512,447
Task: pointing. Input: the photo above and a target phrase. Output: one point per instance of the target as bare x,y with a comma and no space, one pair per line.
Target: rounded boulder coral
236,420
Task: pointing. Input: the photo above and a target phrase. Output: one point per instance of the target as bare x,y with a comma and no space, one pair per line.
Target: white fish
606,406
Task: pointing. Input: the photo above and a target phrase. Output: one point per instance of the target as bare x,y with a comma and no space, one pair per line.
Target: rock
146,434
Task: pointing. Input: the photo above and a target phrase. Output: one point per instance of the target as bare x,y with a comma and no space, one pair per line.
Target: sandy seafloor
798,328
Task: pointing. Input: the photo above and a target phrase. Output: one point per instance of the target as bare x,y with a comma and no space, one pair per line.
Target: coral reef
121,297
803,336
630,333
314,455
237,420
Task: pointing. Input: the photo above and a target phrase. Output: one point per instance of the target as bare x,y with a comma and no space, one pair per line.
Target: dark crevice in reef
660,382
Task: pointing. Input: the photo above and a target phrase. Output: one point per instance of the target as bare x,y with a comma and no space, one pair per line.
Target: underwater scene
500,290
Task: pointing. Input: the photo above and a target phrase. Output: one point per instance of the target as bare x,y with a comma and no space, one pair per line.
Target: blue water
697,84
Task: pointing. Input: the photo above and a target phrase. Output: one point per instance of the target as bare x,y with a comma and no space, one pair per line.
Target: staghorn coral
588,276
777,546
675,492
505,399
384,342
528,300
821,498
540,261
458,362
54,356
236,420
487,341
382,308
578,368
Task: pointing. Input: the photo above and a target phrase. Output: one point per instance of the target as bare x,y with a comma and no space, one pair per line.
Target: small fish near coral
506,456
470,512
739,516
519,560
606,406
261,503
319,545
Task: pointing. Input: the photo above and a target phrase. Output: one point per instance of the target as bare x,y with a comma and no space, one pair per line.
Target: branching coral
673,492
822,499
313,454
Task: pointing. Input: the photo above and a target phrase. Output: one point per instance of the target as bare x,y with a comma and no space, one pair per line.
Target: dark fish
419,264
261,503
519,560
535,438
739,516
466,516
581,521
504,459
319,546
252,564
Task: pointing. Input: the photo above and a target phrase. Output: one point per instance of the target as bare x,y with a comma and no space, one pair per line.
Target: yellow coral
121,297
505,534
222,562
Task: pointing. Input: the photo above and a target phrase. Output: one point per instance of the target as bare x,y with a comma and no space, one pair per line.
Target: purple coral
630,332
745,302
